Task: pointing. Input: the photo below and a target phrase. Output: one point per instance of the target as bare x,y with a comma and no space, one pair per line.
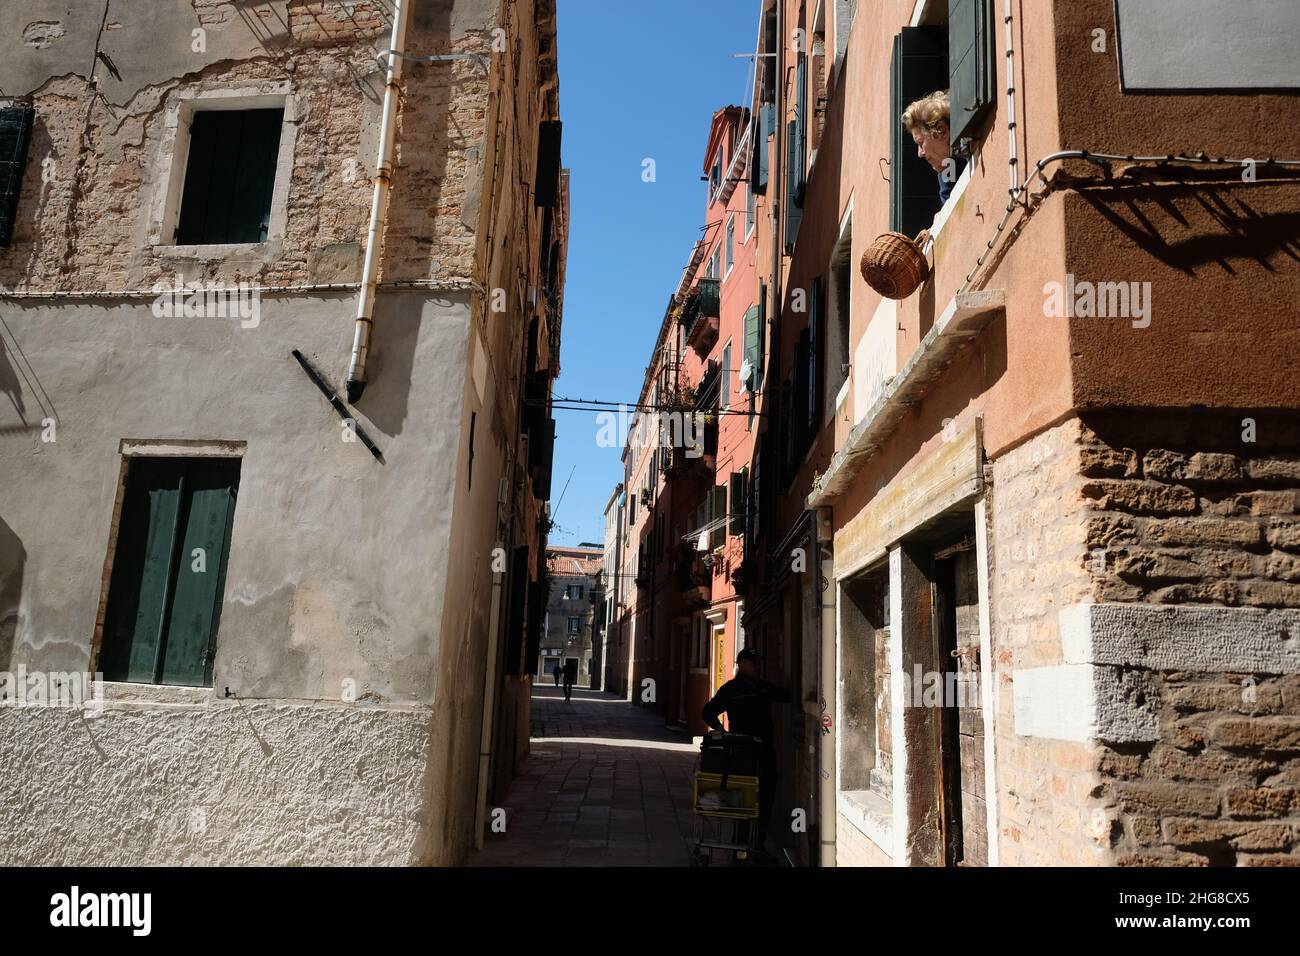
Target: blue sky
637,80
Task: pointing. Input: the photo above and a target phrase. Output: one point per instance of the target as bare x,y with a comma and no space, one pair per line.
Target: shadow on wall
423,146
13,557
1243,234
16,377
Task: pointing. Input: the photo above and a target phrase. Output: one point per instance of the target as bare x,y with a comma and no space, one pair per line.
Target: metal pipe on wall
378,206
827,603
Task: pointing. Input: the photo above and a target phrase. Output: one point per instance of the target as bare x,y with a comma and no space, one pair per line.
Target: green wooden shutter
163,611
718,512
793,213
918,67
736,517
801,118
15,135
752,346
139,588
971,73
230,176
196,594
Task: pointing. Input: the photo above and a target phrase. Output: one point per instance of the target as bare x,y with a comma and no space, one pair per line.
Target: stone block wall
1199,510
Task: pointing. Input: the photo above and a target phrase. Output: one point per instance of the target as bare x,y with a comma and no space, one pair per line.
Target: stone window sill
873,816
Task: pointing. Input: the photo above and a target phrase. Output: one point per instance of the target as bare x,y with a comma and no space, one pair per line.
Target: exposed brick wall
1037,515
94,169
1187,512
852,848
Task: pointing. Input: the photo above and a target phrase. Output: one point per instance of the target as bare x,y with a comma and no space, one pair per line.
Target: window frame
729,246
165,203
188,449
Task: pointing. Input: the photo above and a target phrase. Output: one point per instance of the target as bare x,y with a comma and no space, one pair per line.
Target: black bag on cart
730,754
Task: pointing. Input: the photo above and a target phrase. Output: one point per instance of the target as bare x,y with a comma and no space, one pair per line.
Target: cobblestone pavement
606,784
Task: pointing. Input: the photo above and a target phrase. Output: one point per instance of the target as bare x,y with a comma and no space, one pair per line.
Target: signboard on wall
721,672
1173,45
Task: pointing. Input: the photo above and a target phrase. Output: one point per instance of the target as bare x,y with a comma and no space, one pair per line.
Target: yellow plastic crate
738,800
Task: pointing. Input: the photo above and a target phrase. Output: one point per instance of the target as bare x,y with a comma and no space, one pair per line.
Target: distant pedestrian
570,675
559,671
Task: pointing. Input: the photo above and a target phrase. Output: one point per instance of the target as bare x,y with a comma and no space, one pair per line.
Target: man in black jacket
747,701
570,675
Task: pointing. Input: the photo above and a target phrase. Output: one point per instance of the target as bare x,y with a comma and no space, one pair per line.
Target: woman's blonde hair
930,113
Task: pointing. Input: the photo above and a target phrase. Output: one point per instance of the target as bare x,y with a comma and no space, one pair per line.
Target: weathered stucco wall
315,591
346,576
216,782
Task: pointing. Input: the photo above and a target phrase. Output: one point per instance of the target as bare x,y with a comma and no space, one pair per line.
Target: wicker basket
894,266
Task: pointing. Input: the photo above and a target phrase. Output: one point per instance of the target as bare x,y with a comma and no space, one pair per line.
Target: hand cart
726,798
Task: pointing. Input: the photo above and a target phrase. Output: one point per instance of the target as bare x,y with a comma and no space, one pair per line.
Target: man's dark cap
749,654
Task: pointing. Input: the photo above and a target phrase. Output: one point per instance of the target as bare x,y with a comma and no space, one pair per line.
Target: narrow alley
606,784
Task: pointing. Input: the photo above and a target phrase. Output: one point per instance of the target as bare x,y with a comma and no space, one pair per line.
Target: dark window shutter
799,400
542,475
971,73
196,599
769,62
548,162
763,129
816,360
15,136
919,67
230,176
718,512
793,213
801,118
164,608
736,517
518,602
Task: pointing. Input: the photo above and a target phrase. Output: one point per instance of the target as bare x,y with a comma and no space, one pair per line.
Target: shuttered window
801,124
971,71
717,512
816,360
230,176
15,135
762,150
753,347
919,67
169,570
549,134
736,519
793,213
796,157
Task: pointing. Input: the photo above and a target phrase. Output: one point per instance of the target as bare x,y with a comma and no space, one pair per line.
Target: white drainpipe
826,680
487,722
378,206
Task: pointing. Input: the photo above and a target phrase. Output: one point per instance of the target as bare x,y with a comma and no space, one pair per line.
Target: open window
949,48
838,301
15,136
230,176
